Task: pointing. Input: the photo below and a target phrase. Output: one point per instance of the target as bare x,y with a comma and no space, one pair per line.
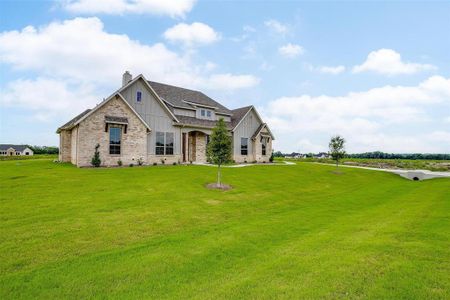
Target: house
156,123
322,155
293,155
12,150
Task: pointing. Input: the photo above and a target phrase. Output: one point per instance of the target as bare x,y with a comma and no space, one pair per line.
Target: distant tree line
44,149
382,155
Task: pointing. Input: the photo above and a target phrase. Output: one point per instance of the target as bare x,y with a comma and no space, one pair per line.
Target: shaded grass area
24,157
282,232
411,164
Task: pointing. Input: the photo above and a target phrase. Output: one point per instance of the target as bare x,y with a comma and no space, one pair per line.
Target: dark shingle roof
176,96
4,147
74,120
238,114
113,119
191,121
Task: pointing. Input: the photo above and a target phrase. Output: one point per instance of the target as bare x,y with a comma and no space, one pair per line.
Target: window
164,143
203,112
208,113
169,143
244,146
138,96
159,143
263,145
114,140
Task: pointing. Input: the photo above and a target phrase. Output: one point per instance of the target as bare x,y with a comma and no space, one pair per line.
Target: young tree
96,161
337,149
219,147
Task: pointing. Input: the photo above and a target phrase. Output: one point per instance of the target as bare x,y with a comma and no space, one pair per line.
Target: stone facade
65,148
91,132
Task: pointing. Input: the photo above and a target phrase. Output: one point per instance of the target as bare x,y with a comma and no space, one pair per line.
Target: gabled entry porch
194,146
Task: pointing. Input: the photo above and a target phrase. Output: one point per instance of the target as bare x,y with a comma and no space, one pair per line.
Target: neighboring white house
322,155
13,150
159,123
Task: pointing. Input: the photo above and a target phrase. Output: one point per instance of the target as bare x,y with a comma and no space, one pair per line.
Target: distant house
155,123
322,155
13,150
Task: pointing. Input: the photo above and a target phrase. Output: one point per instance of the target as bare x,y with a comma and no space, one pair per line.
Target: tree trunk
218,177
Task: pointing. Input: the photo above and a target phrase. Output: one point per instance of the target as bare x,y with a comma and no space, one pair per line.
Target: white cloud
365,118
80,49
171,8
389,62
230,82
49,98
331,70
192,34
291,50
276,27
78,58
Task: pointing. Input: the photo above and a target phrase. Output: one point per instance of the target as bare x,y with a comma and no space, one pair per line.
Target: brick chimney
126,77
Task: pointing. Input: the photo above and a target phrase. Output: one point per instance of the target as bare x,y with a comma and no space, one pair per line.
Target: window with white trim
164,143
138,96
115,137
244,146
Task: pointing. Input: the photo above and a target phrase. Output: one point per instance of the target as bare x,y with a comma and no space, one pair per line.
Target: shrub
96,161
271,157
155,163
163,161
131,165
174,163
119,163
140,161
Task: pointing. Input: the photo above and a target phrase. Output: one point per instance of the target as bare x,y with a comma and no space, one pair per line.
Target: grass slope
282,232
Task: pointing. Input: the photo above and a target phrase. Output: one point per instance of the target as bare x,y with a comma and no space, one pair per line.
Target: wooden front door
184,146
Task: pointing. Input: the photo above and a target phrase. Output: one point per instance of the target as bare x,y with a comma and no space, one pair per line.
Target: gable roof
186,98
75,121
20,148
239,114
70,124
260,128
202,123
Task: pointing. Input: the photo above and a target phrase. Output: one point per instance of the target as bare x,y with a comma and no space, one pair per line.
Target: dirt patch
214,186
337,172
213,202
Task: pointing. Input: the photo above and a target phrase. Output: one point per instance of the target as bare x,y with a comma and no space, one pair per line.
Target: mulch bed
214,186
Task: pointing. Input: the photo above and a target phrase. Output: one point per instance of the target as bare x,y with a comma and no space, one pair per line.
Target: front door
184,146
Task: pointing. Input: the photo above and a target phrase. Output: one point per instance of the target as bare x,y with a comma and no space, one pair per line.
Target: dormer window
138,96
205,113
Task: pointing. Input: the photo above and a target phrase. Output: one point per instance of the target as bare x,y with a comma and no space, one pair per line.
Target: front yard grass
297,231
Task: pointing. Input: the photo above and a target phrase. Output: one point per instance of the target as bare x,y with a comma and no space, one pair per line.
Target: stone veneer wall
73,143
65,148
168,159
92,131
200,151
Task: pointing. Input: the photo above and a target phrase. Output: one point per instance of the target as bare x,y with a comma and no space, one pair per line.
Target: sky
377,73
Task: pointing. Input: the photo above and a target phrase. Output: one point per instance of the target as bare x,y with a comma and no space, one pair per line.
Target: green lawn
283,232
411,164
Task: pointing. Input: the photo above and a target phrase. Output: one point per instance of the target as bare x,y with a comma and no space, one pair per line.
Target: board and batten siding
152,111
246,129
